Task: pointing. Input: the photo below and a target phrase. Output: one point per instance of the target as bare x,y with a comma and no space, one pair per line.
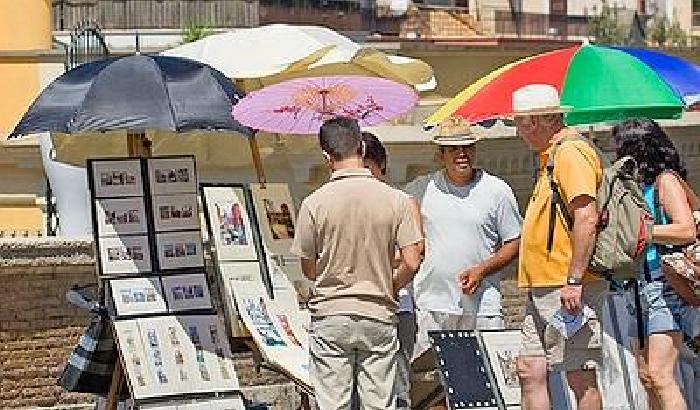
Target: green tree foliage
604,27
666,34
194,32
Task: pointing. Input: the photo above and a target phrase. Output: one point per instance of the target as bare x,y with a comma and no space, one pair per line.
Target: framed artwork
116,178
464,370
175,212
502,349
187,292
137,296
124,255
180,250
175,355
172,175
119,216
274,209
229,221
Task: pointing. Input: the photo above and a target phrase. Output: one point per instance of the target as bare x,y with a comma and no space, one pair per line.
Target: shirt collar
350,172
563,133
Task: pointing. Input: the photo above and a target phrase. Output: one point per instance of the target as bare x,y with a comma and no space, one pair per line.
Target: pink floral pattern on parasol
300,106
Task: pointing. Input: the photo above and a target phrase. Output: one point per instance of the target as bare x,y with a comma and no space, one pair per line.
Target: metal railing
533,24
342,16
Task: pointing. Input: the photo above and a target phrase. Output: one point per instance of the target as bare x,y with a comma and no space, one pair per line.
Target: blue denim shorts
664,311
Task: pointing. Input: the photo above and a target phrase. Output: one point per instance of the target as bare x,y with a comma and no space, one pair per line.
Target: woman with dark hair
667,317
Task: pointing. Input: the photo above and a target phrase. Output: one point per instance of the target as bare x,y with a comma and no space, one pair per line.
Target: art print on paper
124,255
172,175
180,250
175,212
135,296
286,326
502,348
176,355
187,292
212,352
275,212
229,221
256,309
120,216
133,352
117,178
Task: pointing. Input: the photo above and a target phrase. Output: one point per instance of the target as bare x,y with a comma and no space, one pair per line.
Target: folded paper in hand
569,324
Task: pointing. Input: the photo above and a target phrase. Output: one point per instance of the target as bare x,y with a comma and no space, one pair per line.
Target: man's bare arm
583,237
308,267
471,278
410,261
583,234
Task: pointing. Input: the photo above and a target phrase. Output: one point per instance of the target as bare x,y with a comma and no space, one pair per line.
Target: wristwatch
574,281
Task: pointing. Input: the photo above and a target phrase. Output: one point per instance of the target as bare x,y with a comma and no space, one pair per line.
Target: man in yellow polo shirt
553,262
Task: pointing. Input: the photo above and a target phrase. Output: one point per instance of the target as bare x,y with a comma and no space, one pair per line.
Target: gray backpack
624,219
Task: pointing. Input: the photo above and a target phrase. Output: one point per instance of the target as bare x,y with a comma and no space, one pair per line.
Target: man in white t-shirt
472,230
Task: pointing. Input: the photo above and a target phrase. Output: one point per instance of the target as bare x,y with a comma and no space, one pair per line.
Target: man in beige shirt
347,232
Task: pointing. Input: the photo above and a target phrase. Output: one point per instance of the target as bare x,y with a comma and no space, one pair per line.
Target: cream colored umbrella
260,56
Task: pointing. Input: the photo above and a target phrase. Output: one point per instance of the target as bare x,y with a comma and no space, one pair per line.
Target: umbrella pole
257,161
137,144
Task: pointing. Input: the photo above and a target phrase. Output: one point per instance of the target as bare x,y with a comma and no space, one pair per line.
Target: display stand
172,346
243,227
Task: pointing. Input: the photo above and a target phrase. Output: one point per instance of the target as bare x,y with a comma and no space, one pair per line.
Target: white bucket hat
537,99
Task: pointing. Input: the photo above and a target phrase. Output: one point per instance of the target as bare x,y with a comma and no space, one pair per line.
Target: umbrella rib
167,92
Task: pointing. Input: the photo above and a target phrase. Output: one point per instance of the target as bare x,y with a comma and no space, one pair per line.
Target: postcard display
255,290
174,348
478,368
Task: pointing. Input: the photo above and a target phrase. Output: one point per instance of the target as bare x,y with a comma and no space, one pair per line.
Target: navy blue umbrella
137,92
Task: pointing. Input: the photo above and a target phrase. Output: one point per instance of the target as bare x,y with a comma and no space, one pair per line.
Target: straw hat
454,131
537,99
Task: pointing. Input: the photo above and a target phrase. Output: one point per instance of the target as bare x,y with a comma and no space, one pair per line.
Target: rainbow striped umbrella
601,84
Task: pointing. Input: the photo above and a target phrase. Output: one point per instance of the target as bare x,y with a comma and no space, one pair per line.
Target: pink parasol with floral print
300,106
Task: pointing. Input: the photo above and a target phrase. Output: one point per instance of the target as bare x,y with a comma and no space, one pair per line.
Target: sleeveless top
652,265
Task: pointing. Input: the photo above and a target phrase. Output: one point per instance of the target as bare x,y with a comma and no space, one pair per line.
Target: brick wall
37,328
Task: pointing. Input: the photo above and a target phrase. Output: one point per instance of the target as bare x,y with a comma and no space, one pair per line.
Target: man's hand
470,279
571,298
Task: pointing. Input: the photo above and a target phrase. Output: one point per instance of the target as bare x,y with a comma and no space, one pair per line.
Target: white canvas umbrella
277,52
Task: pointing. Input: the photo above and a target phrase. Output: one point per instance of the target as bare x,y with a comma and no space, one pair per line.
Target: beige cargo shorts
582,350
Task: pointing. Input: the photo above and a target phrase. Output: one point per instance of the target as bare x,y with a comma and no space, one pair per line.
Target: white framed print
124,255
274,209
175,212
186,292
502,350
137,296
172,175
119,216
116,178
230,223
180,250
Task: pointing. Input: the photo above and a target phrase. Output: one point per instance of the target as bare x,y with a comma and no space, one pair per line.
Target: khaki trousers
353,353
